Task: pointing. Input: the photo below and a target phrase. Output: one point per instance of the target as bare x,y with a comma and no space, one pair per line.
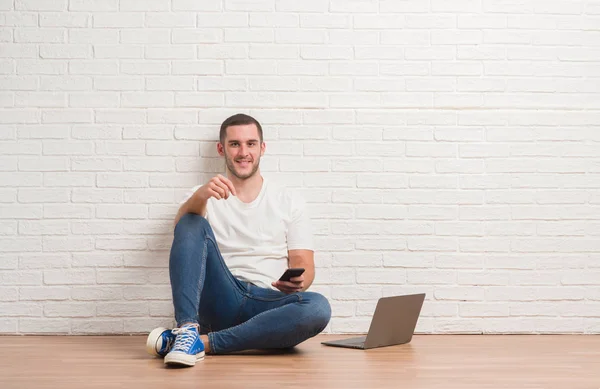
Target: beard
231,166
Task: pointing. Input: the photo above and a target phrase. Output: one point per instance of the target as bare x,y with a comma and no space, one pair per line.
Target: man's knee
320,311
191,222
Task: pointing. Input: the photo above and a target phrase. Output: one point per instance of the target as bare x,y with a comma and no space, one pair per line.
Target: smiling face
242,150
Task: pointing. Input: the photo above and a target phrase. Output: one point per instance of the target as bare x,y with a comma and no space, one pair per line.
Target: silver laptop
393,322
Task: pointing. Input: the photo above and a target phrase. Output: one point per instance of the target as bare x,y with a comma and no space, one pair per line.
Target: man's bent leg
194,258
272,319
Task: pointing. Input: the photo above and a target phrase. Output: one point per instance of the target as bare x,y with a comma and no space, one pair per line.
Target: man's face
242,150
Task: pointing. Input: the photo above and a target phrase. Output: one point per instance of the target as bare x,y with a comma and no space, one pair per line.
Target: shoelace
185,338
170,342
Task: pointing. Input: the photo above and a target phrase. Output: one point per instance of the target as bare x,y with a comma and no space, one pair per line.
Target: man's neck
247,190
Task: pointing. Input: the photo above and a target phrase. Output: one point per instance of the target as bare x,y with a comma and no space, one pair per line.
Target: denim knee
320,311
192,222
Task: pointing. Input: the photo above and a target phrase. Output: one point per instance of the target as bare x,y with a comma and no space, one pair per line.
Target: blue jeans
236,315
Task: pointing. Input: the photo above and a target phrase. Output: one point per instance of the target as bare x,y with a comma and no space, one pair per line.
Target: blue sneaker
160,341
188,347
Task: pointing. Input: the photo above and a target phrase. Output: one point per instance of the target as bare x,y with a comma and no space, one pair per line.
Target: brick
44,326
70,211
20,211
380,244
120,244
94,227
20,309
127,309
96,327
67,116
93,5
69,277
65,83
39,35
483,310
144,326
45,261
439,309
16,278
408,260
122,276
461,293
96,293
510,293
459,261
172,116
114,211
431,276
9,326
69,309
95,67
63,19
43,227
118,19
431,244
44,293
10,262
146,5
21,179
170,19
40,99
71,244
121,51
65,51
190,5
91,36
432,212
40,5
15,50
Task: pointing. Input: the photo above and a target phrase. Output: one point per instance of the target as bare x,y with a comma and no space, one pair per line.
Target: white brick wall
446,147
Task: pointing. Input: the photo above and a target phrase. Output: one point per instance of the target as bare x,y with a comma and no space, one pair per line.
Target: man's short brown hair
236,120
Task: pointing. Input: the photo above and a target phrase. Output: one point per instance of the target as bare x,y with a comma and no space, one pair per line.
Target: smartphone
292,272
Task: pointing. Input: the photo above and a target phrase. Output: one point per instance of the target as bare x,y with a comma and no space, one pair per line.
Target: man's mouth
243,163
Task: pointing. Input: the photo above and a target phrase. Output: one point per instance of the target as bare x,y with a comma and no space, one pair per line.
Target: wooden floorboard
429,361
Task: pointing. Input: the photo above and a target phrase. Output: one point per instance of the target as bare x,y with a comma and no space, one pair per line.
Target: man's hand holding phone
291,281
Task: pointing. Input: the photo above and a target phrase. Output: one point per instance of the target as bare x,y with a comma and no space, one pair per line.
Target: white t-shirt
254,238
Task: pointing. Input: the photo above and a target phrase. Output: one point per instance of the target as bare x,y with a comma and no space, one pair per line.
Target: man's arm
298,258
305,259
193,205
218,187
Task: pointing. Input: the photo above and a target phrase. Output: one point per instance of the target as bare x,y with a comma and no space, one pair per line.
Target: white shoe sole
179,358
152,341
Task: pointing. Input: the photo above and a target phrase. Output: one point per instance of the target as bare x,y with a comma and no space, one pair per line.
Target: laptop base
358,343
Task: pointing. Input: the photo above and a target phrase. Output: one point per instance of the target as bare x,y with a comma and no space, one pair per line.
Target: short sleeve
299,234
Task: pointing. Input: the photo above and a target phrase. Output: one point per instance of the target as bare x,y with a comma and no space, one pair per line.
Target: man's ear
220,149
263,147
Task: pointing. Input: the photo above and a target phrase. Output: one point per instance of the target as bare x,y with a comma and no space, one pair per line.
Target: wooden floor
429,361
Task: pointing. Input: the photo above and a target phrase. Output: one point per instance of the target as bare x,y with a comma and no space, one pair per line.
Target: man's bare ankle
204,339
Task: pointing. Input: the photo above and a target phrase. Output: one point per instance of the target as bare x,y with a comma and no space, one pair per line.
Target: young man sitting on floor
234,237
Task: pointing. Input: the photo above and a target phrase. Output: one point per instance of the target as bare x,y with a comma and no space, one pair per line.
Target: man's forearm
193,205
309,277
304,259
